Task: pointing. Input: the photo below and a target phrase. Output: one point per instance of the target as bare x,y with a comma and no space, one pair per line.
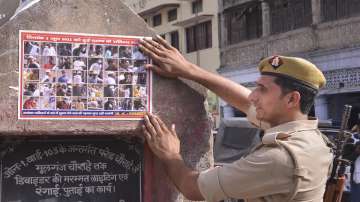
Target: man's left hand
163,141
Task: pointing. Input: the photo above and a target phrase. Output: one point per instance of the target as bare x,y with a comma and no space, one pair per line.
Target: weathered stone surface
341,34
251,52
173,100
7,9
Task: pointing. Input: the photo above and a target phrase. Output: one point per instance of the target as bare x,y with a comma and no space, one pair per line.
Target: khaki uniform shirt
298,165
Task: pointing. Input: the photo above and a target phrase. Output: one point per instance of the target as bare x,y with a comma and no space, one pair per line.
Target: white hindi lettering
105,189
51,181
19,180
123,177
58,179
74,166
50,191
12,170
100,166
34,157
75,190
86,166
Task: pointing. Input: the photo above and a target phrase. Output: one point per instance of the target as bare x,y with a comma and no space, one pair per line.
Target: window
288,15
174,37
172,15
337,9
197,6
157,20
199,37
243,22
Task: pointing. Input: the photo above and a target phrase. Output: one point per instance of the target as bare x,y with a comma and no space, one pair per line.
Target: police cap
294,68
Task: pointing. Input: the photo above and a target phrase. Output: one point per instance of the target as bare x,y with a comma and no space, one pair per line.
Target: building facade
192,27
322,31
189,25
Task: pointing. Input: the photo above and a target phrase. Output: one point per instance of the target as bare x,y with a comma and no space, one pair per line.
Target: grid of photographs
83,77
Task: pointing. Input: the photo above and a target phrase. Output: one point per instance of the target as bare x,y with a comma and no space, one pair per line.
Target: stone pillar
316,11
265,18
321,108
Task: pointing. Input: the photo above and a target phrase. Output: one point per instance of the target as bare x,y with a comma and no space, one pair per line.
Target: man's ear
294,99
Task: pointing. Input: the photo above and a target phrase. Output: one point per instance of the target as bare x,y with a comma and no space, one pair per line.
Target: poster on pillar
82,76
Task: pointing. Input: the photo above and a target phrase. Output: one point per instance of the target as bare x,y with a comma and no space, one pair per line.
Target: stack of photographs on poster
80,80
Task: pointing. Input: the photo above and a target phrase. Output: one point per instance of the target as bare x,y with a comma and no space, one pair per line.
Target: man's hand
168,61
163,142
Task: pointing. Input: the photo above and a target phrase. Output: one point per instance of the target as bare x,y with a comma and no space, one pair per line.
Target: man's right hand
167,60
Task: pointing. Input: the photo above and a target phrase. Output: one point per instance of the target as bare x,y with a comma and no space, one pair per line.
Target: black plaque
85,170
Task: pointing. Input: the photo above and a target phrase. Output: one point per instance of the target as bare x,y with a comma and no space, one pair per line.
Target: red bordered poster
82,76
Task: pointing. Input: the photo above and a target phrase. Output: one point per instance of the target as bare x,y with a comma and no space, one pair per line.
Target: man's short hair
307,94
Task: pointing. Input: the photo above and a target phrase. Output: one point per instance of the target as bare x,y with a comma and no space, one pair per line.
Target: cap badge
275,62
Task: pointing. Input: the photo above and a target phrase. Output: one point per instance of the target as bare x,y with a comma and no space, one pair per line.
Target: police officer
293,161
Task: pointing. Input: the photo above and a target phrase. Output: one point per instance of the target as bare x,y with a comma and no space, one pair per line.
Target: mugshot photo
48,76
30,102
32,48
95,103
79,63
125,78
110,104
125,65
47,90
111,52
79,77
31,62
111,64
64,49
140,104
79,103
79,90
49,62
63,102
31,75
48,49
96,51
47,102
125,104
80,50
125,91
125,52
31,89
